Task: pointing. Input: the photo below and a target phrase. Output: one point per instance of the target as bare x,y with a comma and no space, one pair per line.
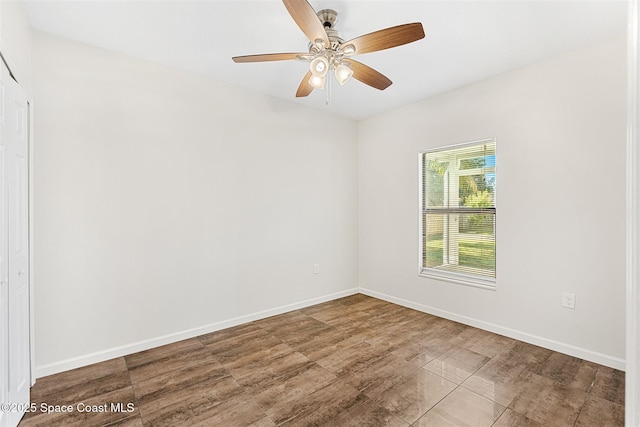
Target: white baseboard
592,356
88,359
101,356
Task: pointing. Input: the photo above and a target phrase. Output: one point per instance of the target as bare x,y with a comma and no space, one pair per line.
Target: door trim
632,365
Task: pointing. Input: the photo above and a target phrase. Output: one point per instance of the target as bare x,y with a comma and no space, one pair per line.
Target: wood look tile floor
356,361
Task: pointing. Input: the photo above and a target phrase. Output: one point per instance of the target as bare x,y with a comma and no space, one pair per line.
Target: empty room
335,213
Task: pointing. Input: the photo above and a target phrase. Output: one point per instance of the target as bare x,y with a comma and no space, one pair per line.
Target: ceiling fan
329,52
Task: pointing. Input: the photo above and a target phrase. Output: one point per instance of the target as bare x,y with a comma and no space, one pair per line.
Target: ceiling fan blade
387,38
267,57
368,75
305,88
307,19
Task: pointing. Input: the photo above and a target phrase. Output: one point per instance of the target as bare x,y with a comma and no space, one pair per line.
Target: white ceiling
466,41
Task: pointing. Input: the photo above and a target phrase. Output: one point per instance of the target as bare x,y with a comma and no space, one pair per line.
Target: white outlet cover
569,300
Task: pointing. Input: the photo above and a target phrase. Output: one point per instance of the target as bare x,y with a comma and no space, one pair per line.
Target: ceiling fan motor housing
329,17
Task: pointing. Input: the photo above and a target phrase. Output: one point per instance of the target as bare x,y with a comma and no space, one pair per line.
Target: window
458,213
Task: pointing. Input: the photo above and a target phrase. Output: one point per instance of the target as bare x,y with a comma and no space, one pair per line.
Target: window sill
461,279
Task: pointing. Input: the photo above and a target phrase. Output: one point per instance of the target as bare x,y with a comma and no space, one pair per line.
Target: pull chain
327,100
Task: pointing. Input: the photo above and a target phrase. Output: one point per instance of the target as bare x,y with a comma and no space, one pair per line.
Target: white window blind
458,212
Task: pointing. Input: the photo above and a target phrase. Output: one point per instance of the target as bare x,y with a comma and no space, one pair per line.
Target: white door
14,219
4,257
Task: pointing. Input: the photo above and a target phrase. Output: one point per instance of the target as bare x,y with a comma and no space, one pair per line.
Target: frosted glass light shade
317,81
319,66
343,73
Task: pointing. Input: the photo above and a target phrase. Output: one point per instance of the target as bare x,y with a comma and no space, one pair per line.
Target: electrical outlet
569,300
316,268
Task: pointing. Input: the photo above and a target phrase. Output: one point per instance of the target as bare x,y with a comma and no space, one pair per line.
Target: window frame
462,278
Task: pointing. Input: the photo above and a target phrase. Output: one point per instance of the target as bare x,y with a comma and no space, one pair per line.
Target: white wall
560,130
168,205
15,40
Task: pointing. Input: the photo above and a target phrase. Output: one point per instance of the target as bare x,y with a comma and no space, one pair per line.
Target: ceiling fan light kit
328,59
327,51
